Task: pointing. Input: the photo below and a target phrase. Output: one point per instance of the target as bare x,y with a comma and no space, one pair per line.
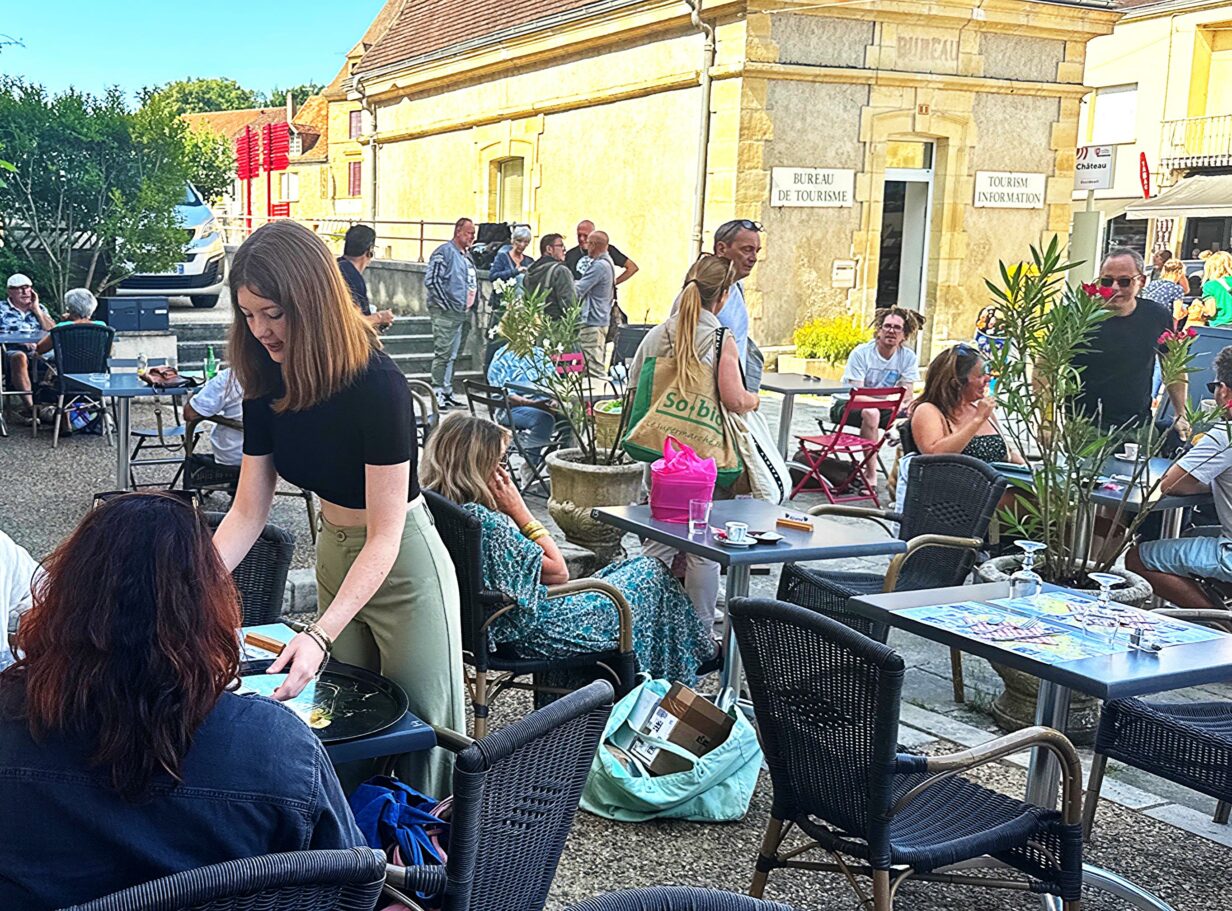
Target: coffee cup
1131,451
737,532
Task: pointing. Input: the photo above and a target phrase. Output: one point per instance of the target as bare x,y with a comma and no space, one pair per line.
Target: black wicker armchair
346,880
261,576
515,793
1186,743
827,703
498,669
675,898
950,502
79,348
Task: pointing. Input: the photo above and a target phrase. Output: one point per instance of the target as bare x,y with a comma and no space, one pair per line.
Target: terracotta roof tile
231,123
424,26
336,90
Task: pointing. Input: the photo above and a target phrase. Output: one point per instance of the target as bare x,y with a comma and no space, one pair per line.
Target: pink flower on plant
1191,332
1097,290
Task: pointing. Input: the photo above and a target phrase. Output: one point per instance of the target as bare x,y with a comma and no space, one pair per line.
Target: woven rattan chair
1187,743
827,703
675,898
499,668
950,502
261,576
515,793
79,348
348,880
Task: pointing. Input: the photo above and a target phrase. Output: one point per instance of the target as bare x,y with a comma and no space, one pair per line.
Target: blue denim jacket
451,280
256,781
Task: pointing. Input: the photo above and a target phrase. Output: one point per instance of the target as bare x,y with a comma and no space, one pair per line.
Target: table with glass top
1069,641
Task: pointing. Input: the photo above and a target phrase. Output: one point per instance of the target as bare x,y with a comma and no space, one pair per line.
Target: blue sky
133,43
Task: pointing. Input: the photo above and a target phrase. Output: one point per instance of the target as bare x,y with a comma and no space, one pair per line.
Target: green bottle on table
211,363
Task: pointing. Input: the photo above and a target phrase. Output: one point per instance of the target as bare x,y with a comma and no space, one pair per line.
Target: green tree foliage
211,163
196,96
299,94
94,186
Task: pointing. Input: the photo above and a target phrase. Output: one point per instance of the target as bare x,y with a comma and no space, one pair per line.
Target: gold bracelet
538,533
534,525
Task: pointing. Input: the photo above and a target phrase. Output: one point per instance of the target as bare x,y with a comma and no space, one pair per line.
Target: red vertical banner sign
247,166
275,156
1144,174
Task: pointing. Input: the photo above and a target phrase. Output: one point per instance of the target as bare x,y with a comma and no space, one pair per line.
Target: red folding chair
840,445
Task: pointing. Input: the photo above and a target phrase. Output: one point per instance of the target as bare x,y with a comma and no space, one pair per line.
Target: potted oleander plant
594,471
1044,323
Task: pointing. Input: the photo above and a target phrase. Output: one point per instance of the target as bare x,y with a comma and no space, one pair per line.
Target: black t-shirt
325,448
355,281
1118,370
574,256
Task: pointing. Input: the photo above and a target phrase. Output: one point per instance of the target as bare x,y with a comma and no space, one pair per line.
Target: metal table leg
785,415
4,356
122,435
1043,778
732,675
1171,523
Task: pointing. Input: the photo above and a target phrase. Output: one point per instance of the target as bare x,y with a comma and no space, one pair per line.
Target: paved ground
1157,834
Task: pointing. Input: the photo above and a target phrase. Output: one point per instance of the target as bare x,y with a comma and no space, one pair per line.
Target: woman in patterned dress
464,462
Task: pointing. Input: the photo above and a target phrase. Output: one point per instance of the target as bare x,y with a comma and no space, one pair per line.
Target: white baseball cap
17,280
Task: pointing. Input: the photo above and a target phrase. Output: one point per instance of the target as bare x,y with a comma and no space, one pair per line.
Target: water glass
1105,581
699,516
1026,582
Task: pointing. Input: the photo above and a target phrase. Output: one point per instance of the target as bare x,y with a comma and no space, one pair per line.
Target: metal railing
1197,142
411,240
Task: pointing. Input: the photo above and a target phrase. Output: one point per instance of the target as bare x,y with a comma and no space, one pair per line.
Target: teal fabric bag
717,789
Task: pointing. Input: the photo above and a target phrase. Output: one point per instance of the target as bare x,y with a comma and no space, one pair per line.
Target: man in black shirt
1118,368
358,250
578,261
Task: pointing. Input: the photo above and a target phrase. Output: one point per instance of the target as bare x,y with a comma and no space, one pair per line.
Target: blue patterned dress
668,637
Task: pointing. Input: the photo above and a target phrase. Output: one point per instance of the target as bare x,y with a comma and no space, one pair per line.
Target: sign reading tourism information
832,188
1093,167
1009,190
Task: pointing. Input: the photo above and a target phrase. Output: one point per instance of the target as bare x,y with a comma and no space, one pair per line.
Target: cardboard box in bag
686,719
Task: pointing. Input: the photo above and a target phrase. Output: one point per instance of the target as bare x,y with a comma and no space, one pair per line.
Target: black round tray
362,703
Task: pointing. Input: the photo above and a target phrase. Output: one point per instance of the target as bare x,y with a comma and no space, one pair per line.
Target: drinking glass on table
1105,581
699,516
1026,582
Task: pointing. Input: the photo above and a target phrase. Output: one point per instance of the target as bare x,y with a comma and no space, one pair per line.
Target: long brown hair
460,456
948,374
130,641
328,342
704,286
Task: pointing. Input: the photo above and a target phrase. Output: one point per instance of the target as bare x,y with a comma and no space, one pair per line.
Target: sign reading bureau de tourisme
833,188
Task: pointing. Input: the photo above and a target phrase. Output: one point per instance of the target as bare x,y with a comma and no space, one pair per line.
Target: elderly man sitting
22,312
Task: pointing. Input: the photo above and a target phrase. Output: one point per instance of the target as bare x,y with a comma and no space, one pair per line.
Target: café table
1088,662
14,338
826,539
122,388
406,735
789,385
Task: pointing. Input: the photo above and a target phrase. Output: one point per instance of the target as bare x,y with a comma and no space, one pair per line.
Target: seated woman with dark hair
123,757
463,464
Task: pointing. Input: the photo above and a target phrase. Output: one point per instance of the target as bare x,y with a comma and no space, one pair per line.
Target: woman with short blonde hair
464,463
1217,286
327,410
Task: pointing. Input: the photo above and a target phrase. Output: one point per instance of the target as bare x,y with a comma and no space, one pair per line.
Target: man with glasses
1170,566
883,362
550,274
358,251
1118,367
739,241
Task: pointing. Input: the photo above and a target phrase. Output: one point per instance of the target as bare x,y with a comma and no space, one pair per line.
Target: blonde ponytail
704,286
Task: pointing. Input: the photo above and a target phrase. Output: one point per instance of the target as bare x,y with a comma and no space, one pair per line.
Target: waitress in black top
328,411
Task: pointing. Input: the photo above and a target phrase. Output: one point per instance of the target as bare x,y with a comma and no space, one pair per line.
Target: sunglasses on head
1107,281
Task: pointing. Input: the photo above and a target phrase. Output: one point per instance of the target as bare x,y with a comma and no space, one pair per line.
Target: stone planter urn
1014,709
578,487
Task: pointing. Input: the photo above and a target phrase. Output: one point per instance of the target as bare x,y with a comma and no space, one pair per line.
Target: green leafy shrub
831,338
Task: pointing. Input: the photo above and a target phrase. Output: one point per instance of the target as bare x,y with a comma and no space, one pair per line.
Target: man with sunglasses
1170,566
739,242
1118,367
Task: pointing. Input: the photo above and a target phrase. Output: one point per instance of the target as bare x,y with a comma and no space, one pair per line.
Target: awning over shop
1200,196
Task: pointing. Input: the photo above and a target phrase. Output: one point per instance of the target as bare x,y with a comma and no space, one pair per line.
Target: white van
201,274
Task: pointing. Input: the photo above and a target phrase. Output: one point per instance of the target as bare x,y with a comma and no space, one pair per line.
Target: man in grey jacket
596,289
550,274
452,284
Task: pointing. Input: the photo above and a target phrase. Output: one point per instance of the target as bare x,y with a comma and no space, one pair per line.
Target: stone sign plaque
831,188
1009,190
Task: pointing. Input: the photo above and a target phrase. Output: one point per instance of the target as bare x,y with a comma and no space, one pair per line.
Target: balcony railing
1198,142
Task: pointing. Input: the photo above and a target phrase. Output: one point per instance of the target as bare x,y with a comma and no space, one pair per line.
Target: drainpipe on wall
371,109
703,147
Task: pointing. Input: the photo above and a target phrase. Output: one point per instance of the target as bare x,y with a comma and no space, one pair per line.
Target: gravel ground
46,491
